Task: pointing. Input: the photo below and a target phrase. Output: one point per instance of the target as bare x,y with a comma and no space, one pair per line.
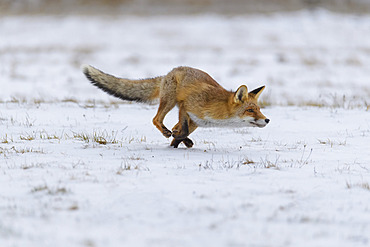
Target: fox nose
267,120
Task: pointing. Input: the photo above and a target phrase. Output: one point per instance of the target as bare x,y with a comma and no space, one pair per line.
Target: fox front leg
178,133
181,129
188,143
182,132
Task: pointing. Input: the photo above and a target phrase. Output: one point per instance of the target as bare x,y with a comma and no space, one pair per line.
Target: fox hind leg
166,103
163,109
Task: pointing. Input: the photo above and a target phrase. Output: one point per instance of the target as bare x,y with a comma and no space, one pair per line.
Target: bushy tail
145,90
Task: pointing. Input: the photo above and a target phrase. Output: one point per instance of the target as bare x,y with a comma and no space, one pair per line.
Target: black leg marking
176,142
183,133
188,143
166,132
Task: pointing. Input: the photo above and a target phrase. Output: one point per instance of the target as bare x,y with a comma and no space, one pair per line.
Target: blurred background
165,7
307,52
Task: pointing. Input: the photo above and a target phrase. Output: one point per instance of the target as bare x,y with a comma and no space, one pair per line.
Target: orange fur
201,100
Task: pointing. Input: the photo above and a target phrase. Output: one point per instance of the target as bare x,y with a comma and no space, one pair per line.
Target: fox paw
178,135
175,143
167,133
188,143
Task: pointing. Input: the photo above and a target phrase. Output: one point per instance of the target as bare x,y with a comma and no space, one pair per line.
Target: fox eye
250,110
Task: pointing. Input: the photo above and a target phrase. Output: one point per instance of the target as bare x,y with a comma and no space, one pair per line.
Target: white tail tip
85,67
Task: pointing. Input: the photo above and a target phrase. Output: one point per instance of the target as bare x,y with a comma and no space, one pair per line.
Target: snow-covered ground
79,168
301,181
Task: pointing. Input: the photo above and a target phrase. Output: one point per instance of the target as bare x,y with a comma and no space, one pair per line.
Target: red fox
202,102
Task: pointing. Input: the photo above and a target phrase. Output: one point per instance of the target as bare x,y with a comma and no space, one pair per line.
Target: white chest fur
229,122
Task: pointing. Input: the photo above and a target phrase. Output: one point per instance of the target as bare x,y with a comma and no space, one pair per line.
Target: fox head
246,107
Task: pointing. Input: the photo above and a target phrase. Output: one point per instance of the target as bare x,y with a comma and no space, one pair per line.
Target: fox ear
256,93
241,95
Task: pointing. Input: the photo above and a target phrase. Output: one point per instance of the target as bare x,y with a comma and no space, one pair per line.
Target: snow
79,168
324,53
